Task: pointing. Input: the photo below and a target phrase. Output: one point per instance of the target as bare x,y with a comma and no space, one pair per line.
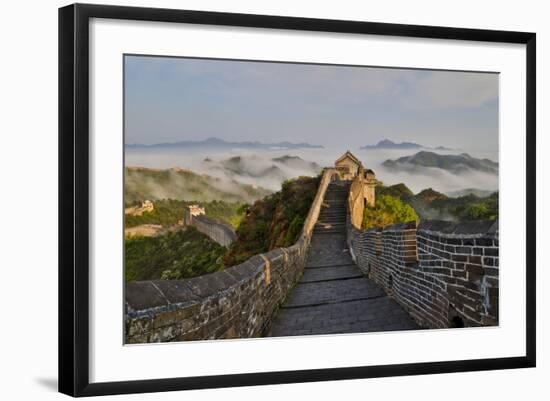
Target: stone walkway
333,296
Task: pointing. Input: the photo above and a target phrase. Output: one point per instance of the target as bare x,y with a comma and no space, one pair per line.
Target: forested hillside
154,184
433,205
274,221
181,254
167,212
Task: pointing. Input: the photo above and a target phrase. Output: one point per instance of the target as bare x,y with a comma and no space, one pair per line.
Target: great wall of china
220,232
336,278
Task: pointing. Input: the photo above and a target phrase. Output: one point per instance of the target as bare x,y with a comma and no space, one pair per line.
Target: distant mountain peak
213,139
455,164
386,142
214,142
286,158
389,144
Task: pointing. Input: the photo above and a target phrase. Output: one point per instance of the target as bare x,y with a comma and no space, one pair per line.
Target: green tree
182,254
273,221
388,210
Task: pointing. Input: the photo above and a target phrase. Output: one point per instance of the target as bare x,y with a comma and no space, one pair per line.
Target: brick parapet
442,273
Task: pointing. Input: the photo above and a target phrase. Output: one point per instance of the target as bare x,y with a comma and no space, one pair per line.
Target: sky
177,99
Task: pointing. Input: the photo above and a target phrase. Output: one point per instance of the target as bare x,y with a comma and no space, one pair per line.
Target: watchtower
348,166
191,211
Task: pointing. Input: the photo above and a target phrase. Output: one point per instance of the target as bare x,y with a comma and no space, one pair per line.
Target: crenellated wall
444,274
238,302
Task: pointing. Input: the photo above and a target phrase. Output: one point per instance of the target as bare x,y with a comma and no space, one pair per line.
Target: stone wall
356,203
362,193
238,302
222,233
444,274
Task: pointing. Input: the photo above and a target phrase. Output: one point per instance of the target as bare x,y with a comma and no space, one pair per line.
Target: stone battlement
146,207
444,274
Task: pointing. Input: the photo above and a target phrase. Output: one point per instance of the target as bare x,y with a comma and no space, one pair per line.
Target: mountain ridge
176,183
455,164
217,143
389,144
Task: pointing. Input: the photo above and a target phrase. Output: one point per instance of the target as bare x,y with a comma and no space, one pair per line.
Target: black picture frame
74,198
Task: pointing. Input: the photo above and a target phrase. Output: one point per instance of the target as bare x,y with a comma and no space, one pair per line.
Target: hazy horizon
338,107
182,99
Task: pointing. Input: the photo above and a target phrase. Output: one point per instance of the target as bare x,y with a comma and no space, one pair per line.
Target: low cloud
258,168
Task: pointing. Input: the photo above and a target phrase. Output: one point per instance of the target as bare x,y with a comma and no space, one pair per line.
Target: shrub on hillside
182,254
275,221
388,210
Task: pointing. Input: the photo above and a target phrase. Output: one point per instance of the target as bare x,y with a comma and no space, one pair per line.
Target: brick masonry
444,274
238,302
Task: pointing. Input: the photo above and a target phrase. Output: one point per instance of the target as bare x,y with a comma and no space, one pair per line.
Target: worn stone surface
333,296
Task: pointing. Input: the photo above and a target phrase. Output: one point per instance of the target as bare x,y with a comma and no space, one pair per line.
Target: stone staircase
333,296
332,218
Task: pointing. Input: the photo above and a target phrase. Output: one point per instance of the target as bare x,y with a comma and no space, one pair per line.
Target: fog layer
258,168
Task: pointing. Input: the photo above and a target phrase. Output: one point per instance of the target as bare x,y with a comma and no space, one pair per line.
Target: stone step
333,229
325,224
327,232
330,273
306,294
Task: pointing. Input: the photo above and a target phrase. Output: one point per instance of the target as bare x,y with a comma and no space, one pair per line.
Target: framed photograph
251,199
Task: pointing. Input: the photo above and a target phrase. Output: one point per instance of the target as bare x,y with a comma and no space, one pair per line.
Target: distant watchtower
348,166
363,188
191,211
